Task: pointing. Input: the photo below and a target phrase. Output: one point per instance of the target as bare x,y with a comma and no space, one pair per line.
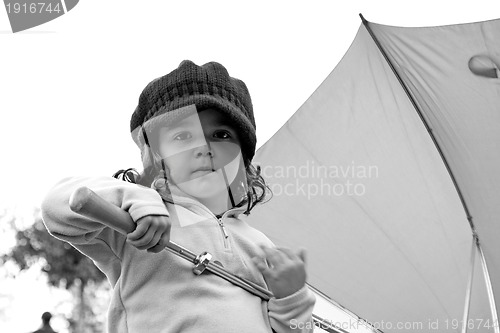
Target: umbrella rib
427,127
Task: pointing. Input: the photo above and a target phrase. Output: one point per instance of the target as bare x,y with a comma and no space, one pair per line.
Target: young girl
196,131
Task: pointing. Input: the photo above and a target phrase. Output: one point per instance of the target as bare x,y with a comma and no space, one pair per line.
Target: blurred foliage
63,264
65,267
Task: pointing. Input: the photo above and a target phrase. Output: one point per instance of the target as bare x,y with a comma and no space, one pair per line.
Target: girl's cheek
226,151
172,150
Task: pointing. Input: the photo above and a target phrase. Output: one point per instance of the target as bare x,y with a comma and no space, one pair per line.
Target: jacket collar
182,199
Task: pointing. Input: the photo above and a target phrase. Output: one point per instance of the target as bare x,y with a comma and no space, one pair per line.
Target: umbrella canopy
388,171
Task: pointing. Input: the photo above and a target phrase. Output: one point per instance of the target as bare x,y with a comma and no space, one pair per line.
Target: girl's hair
156,177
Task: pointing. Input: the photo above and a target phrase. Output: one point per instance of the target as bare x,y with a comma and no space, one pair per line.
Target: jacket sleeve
293,313
97,241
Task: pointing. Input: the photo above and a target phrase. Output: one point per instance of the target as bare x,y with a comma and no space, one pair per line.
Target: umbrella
389,176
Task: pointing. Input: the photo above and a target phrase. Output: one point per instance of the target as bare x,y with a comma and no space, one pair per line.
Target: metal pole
489,288
220,271
326,325
469,286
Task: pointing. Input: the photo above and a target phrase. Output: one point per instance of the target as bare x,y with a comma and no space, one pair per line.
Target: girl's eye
182,136
222,135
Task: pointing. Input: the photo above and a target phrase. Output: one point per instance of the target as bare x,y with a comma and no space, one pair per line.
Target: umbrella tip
362,18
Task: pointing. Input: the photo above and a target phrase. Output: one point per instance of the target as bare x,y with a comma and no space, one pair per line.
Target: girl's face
202,153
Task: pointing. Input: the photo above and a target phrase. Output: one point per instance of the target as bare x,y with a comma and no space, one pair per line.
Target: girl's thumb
302,255
259,263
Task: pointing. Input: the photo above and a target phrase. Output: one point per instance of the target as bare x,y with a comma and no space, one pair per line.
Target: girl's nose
203,150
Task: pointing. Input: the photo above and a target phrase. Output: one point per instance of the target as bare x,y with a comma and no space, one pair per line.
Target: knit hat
166,99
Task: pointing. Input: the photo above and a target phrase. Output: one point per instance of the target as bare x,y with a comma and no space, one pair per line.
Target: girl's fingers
289,253
158,247
139,231
155,240
152,233
274,257
144,242
261,265
302,254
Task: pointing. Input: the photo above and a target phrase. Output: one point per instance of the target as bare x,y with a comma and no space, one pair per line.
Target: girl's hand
152,233
285,272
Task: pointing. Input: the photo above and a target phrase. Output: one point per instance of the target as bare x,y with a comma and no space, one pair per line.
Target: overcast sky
69,87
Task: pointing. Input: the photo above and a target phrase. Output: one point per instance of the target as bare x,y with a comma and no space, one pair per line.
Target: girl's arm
69,226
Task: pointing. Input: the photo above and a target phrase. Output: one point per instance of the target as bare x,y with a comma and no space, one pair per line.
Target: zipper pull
224,230
221,224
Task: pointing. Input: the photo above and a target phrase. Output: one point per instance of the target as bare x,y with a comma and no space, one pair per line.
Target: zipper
225,235
219,219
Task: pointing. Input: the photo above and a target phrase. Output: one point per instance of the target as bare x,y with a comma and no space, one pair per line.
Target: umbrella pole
469,286
494,316
489,288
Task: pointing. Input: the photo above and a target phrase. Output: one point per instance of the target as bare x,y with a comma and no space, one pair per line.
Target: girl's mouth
202,171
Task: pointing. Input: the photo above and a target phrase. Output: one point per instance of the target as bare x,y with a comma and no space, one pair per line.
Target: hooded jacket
158,293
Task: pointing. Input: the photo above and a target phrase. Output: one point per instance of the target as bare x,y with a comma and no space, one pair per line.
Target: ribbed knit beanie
206,86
